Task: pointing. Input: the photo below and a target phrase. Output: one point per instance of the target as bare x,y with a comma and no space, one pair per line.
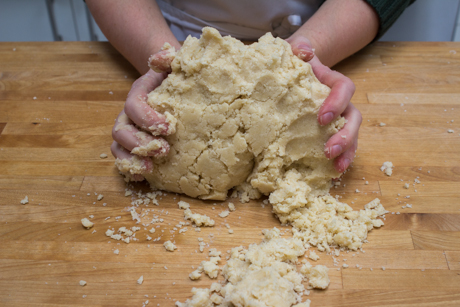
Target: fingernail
326,118
335,151
304,47
305,52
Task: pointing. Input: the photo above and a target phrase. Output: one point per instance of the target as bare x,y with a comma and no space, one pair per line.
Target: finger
140,112
123,155
342,162
342,90
136,141
347,136
161,61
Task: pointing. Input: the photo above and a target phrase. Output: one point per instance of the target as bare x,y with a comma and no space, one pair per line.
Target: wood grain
58,102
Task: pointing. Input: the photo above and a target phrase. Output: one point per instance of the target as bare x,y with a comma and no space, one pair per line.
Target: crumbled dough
313,256
100,197
170,247
131,168
231,207
265,274
140,280
387,167
183,205
224,214
450,131
195,275
116,252
406,185
82,283
103,156
25,200
198,219
317,275
210,267
87,223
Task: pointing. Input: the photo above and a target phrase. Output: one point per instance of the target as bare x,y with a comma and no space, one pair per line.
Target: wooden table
58,102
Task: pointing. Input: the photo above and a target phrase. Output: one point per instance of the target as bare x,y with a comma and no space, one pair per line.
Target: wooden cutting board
58,102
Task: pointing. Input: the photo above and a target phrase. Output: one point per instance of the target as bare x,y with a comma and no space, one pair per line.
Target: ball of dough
245,116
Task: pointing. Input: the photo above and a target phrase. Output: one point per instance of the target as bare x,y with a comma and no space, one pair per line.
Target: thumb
301,47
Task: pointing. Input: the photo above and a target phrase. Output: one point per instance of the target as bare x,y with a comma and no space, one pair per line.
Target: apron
242,19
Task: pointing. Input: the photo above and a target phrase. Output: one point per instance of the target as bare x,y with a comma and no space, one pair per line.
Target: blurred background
70,20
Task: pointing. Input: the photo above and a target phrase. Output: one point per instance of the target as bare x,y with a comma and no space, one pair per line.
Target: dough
387,168
265,274
244,117
169,246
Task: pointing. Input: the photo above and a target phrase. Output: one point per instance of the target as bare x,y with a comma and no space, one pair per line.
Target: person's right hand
138,124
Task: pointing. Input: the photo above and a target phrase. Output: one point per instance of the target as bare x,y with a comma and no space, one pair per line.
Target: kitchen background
69,20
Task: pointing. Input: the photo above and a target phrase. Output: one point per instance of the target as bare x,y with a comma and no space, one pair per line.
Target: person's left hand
342,145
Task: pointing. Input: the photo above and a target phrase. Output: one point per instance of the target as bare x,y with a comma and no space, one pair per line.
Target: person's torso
243,19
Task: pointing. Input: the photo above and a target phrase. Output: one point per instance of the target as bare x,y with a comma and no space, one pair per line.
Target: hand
342,145
138,127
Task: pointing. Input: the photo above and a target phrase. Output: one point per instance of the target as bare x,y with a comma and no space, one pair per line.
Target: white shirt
243,19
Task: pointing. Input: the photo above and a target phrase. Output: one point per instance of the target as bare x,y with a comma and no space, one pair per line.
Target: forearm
340,28
136,28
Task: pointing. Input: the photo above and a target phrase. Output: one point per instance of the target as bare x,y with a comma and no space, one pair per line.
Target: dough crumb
224,214
170,247
87,223
406,185
25,200
116,252
387,168
82,283
198,219
450,131
231,207
100,197
103,156
313,256
183,205
317,275
382,124
140,280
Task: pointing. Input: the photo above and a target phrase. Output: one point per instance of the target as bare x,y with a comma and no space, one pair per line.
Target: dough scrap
265,274
245,117
169,246
387,168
